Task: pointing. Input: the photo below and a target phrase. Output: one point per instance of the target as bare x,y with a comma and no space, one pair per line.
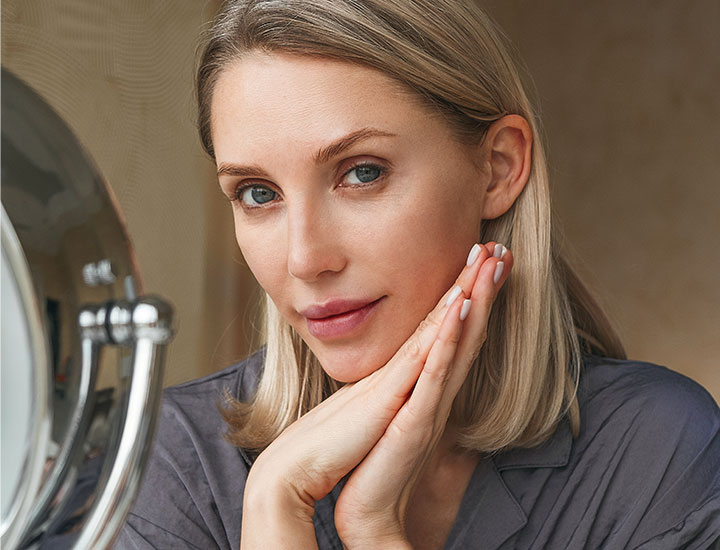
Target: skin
402,237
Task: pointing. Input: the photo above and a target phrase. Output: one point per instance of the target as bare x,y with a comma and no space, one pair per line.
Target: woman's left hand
372,507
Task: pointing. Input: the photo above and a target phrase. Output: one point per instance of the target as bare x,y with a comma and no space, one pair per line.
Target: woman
417,389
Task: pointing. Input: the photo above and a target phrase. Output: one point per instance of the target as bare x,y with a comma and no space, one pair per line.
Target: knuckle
406,425
400,429
412,350
453,338
438,373
429,323
422,327
416,347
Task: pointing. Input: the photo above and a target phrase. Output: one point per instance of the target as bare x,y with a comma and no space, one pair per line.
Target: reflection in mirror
84,347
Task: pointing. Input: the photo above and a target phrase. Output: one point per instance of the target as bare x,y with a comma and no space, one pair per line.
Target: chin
347,372
350,366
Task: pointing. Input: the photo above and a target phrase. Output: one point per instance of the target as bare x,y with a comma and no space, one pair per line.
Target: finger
496,249
415,429
501,252
423,402
383,414
415,419
493,274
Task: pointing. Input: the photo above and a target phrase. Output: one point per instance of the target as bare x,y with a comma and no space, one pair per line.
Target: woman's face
354,206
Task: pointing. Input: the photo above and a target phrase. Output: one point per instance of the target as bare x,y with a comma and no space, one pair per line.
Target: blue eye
363,174
256,195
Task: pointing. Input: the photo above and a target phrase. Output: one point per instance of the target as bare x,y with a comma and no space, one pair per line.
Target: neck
448,457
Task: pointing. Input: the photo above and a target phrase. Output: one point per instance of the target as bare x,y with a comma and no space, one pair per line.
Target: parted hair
460,64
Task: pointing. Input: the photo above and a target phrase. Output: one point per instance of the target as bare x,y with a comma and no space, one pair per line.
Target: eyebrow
323,154
345,142
229,169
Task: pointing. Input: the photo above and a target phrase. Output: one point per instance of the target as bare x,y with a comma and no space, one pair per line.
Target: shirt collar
553,453
490,514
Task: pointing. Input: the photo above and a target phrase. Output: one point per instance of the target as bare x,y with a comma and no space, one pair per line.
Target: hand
314,453
371,509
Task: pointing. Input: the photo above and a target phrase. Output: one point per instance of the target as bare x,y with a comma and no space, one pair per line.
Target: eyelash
366,164
242,187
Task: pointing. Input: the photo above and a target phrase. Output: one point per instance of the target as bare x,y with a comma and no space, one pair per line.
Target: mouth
338,318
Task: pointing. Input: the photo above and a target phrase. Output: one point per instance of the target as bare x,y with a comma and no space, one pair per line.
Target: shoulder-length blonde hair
458,62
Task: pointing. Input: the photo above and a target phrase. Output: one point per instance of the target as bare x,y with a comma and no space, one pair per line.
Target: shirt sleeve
140,534
681,447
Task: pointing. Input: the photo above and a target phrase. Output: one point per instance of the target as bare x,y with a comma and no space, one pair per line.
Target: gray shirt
644,472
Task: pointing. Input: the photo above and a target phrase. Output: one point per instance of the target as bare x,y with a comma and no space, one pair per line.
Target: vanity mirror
82,347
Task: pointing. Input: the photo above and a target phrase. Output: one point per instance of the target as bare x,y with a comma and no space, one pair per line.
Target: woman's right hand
314,453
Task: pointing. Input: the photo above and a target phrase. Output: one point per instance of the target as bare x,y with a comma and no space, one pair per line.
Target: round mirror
79,388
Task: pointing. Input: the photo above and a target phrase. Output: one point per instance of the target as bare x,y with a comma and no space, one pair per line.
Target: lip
338,318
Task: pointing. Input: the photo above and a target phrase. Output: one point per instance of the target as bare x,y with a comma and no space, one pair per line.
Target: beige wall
631,99
120,73
630,95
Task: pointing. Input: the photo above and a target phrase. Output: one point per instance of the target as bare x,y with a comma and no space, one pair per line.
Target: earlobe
508,149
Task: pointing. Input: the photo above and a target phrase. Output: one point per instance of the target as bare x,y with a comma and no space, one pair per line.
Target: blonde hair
458,62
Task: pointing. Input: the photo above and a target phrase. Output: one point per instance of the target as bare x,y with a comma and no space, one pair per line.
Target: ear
508,156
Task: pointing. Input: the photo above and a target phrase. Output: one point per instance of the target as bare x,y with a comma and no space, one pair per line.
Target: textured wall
630,94
120,73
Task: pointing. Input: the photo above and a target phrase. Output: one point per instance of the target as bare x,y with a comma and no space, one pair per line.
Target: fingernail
474,253
498,272
454,293
499,250
465,309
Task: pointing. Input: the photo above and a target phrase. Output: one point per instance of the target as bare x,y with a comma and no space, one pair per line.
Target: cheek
264,255
437,240
430,235
420,249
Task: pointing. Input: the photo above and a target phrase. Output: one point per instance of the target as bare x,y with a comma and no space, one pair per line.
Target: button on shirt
643,473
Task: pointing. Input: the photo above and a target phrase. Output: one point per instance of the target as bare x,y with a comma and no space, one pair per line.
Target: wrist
361,529
275,516
270,492
385,544
368,535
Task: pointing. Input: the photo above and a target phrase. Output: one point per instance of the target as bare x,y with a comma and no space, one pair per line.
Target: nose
315,245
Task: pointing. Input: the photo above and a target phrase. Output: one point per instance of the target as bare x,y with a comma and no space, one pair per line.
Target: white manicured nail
474,253
454,293
465,309
498,272
499,250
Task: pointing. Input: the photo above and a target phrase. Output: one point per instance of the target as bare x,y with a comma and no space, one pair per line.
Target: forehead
264,95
